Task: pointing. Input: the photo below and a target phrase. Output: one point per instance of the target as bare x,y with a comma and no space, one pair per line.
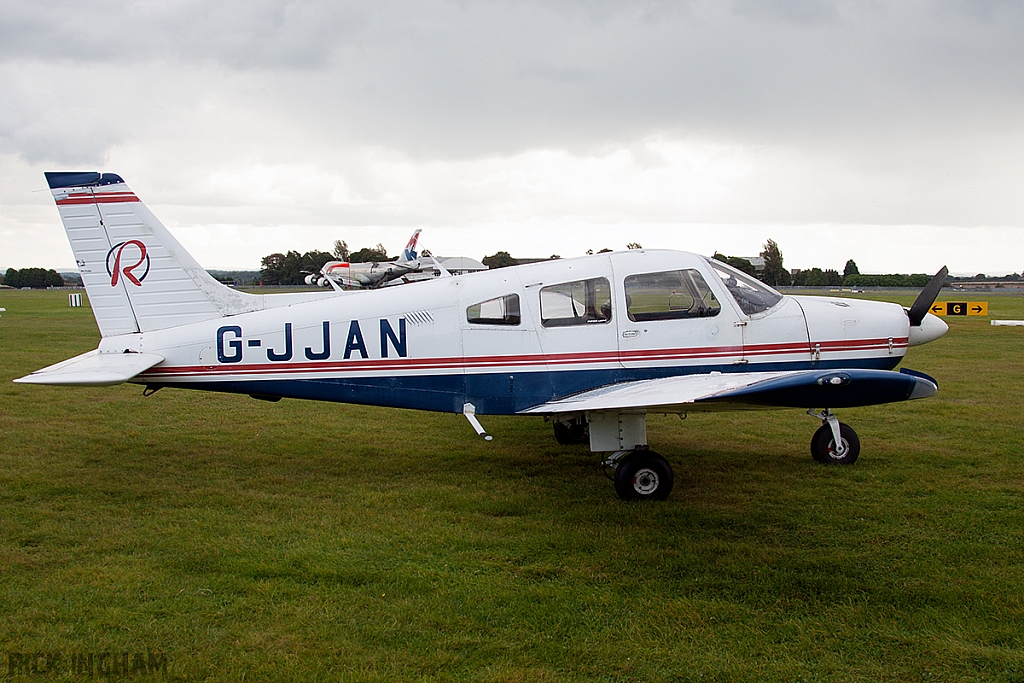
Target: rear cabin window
503,310
669,295
583,302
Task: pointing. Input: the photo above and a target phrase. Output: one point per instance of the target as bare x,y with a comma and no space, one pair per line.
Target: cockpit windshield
752,296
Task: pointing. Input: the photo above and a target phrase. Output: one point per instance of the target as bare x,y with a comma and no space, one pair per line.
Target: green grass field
305,541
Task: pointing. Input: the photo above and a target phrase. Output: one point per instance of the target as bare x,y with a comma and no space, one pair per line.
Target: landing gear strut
834,443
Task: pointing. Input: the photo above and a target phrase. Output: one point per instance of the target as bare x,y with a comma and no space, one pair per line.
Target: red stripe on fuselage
538,361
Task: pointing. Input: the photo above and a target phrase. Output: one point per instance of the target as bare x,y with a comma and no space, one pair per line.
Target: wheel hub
645,481
838,453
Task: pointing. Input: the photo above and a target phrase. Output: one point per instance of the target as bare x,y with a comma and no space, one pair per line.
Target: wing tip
923,388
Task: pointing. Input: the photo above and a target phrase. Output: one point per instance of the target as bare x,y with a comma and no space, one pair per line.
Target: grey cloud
238,34
449,78
67,124
461,80
38,143
887,91
800,12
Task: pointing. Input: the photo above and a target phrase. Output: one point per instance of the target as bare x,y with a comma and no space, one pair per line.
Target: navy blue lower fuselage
498,393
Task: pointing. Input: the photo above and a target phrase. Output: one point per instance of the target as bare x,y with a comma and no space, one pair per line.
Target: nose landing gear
834,443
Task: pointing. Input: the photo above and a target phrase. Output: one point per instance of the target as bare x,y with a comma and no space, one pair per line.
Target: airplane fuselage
426,347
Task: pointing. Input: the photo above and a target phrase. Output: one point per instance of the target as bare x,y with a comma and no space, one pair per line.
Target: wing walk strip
537,361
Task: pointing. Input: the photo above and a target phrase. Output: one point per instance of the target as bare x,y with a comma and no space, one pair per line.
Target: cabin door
501,353
671,322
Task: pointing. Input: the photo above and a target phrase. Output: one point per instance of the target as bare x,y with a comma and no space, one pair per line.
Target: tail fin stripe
106,198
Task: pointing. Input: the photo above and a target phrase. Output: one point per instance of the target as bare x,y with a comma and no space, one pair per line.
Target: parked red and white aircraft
408,267
592,344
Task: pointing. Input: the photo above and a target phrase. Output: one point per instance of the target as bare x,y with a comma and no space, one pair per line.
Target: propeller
927,297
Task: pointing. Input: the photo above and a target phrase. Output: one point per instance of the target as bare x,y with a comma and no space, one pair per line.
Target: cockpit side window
669,295
752,296
503,310
582,302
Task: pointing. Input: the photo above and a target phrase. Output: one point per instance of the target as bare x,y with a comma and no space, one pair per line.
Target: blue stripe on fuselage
504,393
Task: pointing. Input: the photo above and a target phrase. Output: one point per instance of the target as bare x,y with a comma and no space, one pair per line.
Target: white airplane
592,344
408,267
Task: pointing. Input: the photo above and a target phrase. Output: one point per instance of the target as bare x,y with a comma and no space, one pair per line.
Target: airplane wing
750,390
94,369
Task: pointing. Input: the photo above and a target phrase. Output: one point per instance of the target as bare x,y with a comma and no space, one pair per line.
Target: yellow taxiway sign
959,308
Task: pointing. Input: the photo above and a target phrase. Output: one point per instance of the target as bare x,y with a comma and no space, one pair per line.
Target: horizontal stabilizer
738,390
94,369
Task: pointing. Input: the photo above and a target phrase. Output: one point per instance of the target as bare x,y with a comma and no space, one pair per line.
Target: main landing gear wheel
643,475
572,432
823,445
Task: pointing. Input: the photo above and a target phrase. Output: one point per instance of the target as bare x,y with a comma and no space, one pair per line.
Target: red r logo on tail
116,271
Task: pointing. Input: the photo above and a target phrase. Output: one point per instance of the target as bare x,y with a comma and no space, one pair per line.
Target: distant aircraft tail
409,253
138,277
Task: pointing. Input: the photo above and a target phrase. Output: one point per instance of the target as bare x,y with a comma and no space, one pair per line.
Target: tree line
776,275
291,268
36,278
503,259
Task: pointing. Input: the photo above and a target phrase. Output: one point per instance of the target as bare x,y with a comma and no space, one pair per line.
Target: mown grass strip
307,541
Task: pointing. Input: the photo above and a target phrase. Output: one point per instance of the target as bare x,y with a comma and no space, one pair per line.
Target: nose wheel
834,443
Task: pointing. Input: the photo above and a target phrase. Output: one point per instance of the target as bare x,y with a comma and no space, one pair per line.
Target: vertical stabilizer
409,253
138,277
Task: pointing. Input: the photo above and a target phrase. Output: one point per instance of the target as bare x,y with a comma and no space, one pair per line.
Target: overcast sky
887,132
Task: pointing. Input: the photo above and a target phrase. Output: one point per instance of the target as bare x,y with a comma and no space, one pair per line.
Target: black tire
823,445
643,475
573,432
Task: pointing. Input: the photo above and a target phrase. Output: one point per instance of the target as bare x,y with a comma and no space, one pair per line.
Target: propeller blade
927,297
